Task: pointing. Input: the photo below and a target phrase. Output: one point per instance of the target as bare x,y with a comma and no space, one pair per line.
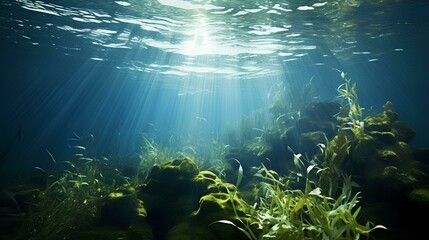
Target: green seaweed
70,203
295,214
348,92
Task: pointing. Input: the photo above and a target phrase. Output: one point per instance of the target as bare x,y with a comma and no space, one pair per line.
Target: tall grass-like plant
333,156
348,92
207,154
151,153
285,213
352,127
300,214
70,203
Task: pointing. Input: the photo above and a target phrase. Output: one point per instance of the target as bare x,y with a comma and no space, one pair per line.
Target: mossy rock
387,121
177,169
385,170
373,158
390,184
309,142
363,154
381,122
322,111
400,155
170,194
393,176
387,138
176,205
370,154
207,182
122,208
167,180
218,206
389,157
219,210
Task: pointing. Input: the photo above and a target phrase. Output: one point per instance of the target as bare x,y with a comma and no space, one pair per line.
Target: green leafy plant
70,202
308,214
348,92
207,155
151,153
332,159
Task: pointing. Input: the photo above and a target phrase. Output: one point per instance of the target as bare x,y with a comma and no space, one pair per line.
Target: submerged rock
387,122
310,141
207,182
392,174
322,111
182,202
220,201
122,208
180,170
169,194
219,206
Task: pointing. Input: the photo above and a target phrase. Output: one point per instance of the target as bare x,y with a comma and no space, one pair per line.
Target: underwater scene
214,119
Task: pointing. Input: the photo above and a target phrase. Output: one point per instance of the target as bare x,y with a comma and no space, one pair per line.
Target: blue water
109,71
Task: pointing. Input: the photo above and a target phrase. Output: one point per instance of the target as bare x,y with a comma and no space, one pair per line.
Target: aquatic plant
252,126
332,159
207,155
151,153
215,158
336,152
285,213
245,224
70,203
288,100
348,92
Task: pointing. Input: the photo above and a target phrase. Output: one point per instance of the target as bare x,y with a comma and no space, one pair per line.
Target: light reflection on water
212,35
